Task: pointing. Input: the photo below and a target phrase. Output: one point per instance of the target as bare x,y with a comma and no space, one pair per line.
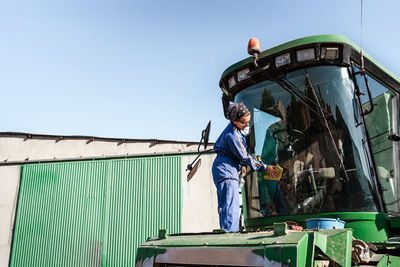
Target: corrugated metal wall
94,213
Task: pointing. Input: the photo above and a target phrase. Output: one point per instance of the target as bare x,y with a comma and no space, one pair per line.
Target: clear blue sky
151,69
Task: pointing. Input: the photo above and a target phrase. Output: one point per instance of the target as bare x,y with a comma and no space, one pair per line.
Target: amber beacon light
254,48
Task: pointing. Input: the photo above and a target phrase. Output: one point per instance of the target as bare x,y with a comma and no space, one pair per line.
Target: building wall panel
9,185
94,213
199,197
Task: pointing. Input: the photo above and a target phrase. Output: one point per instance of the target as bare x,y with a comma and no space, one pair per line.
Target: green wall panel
94,213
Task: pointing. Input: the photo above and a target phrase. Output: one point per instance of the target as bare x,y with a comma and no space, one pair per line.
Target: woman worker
231,155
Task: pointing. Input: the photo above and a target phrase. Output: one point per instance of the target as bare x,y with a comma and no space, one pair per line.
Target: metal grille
94,213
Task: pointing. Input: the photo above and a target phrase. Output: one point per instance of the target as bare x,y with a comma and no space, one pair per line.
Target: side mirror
194,169
205,134
363,74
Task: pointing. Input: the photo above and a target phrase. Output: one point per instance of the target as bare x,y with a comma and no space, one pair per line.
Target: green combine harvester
328,115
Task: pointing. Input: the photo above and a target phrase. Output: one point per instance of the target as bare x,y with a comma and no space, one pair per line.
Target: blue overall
231,155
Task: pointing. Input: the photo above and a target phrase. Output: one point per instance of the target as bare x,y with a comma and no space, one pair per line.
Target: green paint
290,254
228,239
395,222
305,250
383,262
162,234
280,229
336,244
219,231
394,261
274,253
259,252
106,218
144,253
389,261
370,231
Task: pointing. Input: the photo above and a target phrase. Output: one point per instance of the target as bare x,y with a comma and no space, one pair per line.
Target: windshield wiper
294,90
300,92
310,84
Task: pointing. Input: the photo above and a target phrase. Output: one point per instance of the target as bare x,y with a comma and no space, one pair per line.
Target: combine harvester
329,116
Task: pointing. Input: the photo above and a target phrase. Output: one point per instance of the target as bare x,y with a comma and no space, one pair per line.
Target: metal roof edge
99,158
92,138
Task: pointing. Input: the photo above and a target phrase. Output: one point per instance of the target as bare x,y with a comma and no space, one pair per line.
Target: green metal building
97,212
94,213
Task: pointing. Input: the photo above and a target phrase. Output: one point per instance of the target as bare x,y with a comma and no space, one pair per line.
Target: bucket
324,223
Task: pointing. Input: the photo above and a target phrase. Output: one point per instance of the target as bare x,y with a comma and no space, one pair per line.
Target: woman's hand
243,170
272,171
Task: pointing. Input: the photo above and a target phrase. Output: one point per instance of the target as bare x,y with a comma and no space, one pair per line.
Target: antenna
361,30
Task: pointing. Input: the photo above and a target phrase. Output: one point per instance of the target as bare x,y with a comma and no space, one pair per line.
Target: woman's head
239,115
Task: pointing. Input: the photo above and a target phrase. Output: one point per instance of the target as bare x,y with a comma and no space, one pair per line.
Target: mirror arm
190,166
198,148
371,101
205,135
394,137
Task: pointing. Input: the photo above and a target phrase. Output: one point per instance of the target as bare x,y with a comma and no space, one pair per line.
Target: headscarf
236,111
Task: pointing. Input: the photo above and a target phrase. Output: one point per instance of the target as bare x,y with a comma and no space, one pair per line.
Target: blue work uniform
231,155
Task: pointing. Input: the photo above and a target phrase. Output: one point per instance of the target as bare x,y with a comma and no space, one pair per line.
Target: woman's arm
238,148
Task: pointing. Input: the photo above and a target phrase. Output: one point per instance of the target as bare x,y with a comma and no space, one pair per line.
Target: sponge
279,169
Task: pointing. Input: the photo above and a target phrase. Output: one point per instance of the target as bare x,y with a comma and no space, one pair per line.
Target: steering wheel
293,135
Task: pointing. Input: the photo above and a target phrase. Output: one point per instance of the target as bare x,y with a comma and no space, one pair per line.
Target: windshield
312,129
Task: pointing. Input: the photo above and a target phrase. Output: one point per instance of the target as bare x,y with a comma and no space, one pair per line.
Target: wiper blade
310,84
294,90
327,113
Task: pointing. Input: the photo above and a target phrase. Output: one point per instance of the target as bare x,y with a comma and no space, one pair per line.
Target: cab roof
326,38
